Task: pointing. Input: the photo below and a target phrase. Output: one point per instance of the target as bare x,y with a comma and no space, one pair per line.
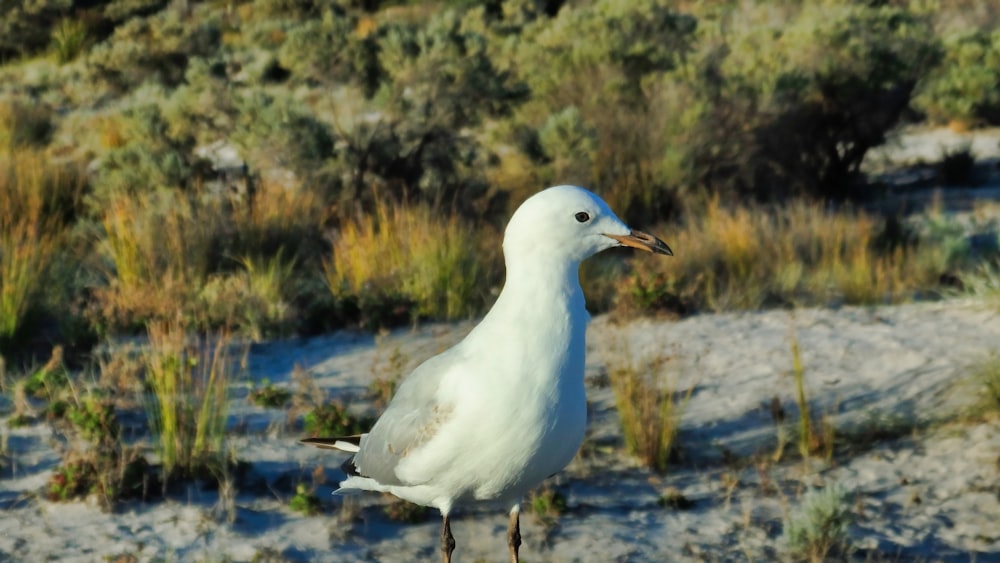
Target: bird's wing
412,418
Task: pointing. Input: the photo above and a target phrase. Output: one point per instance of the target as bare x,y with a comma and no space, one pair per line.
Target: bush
156,48
965,87
793,110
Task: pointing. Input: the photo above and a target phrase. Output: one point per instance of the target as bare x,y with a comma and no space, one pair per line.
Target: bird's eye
582,217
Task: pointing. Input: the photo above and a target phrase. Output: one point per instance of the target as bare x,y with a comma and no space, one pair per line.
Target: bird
489,419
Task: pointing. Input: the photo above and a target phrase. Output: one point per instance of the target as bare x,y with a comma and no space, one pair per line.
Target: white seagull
492,417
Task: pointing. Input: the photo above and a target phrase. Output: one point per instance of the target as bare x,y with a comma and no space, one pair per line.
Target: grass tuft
650,409
188,405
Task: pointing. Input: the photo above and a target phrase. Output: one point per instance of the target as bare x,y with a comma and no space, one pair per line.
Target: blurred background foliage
293,166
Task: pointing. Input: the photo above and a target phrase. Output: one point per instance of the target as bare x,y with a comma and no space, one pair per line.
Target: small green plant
270,396
49,380
399,510
986,379
94,418
304,501
818,528
70,37
547,505
333,419
650,409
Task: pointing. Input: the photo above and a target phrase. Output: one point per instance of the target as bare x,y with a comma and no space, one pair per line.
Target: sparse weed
305,501
818,528
399,510
50,379
547,504
814,435
29,235
269,396
70,37
650,409
333,419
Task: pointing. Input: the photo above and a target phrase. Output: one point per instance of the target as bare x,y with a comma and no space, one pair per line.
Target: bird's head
572,223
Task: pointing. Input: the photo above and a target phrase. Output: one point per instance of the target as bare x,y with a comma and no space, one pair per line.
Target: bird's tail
348,444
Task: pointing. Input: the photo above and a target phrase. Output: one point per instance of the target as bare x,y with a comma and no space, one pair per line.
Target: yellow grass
748,257
159,246
439,263
649,408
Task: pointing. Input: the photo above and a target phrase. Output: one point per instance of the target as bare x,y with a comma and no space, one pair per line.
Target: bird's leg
447,541
514,532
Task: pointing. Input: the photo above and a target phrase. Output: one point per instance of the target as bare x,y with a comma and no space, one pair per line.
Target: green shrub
154,48
794,107
965,87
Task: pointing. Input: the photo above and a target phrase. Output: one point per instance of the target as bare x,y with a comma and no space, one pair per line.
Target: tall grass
801,253
159,246
33,194
440,264
650,409
187,409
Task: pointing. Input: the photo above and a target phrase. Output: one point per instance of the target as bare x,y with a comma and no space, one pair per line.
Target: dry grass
437,263
650,408
746,258
33,194
190,394
159,245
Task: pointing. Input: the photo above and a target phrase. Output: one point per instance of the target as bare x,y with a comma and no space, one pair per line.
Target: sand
930,491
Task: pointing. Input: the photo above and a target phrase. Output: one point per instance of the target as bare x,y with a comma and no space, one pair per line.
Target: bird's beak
643,241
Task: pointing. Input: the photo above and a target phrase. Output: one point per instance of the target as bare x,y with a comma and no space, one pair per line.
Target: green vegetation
189,399
333,419
304,501
817,529
269,396
547,504
272,167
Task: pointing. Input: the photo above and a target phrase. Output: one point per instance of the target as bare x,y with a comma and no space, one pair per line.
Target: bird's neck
543,294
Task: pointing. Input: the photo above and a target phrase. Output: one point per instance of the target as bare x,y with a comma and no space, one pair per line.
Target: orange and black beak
643,241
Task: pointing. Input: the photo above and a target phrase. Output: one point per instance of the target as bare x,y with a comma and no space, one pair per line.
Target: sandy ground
928,494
